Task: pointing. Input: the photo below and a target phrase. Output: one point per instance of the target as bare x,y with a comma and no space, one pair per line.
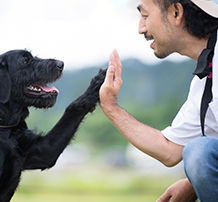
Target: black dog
23,80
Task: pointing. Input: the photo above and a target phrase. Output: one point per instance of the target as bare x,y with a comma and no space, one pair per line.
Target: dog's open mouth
37,90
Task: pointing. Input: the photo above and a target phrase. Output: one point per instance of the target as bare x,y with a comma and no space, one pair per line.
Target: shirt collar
203,68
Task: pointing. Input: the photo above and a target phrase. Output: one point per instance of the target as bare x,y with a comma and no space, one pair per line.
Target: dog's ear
5,82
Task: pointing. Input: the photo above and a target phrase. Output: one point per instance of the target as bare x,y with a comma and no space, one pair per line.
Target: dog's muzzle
42,89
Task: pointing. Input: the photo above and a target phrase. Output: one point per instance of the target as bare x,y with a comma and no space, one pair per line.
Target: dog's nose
60,65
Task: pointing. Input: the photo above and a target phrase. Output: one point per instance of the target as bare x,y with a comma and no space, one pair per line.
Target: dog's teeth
30,87
38,89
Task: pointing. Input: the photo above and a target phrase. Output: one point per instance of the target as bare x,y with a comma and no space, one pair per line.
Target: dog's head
24,79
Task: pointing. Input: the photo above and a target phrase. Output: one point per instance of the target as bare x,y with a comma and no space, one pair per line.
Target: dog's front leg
46,149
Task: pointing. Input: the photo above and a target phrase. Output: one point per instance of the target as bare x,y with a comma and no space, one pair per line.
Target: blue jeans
201,167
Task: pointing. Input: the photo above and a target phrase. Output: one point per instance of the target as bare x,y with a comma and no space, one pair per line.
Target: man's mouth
149,37
152,44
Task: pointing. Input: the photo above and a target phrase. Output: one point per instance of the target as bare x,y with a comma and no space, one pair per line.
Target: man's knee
198,156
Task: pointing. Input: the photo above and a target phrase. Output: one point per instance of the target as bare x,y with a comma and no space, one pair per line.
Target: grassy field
92,185
84,198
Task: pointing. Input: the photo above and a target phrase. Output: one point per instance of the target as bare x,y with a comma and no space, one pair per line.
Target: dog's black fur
21,76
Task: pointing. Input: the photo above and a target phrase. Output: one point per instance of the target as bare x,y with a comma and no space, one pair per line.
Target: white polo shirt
186,125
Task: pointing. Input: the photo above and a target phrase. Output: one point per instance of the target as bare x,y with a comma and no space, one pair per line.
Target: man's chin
161,55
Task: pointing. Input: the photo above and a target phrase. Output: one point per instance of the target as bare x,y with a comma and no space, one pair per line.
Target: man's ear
176,11
5,82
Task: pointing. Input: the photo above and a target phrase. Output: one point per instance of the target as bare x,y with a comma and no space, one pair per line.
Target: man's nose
142,26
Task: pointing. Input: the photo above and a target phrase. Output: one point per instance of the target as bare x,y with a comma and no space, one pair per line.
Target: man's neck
194,47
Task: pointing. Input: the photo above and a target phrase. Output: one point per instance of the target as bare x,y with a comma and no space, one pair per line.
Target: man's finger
110,75
117,57
165,197
115,61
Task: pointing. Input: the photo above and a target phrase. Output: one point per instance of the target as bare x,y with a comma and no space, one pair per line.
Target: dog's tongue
48,89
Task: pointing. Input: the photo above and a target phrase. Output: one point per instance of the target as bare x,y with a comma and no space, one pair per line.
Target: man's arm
145,138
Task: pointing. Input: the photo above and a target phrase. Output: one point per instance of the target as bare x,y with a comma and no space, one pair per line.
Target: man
188,28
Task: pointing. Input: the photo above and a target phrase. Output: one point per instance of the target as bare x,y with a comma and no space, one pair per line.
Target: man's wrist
109,110
191,188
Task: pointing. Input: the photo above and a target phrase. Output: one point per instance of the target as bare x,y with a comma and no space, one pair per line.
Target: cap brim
207,6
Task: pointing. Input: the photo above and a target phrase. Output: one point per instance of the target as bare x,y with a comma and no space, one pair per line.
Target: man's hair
198,23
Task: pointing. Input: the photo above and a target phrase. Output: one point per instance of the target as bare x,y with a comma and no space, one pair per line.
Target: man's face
157,28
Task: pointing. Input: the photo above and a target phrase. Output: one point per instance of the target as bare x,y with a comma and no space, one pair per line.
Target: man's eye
144,16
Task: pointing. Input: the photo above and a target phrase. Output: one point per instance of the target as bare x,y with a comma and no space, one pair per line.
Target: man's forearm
147,139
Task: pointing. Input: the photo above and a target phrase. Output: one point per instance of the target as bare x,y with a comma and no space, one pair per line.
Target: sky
79,32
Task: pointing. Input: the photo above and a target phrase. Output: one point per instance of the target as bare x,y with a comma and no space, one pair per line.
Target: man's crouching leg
201,167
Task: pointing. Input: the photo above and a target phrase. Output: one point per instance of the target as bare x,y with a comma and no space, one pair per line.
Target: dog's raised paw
92,92
97,81
89,99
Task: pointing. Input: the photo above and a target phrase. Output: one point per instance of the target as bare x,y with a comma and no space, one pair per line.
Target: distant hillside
142,83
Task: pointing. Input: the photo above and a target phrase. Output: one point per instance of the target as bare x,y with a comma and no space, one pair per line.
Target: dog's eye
25,61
